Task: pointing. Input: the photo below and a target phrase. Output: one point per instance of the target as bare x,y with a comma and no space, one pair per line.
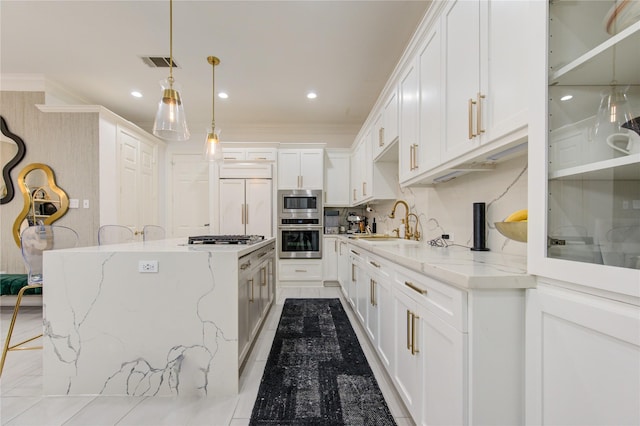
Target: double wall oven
300,224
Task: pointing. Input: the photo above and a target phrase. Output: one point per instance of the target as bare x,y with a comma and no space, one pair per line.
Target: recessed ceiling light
312,95
566,97
136,94
223,95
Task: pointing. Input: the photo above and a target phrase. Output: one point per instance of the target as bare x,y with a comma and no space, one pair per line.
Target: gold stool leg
16,347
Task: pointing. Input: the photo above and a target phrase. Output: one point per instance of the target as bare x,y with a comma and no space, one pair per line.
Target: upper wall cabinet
462,90
300,168
485,72
248,154
385,127
336,178
585,224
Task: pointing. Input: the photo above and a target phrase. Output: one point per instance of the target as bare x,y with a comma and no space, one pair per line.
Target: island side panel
112,330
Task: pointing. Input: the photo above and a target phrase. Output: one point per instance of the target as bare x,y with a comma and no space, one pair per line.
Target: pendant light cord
213,97
171,42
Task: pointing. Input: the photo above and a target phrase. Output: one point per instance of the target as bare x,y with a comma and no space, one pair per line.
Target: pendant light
170,122
213,150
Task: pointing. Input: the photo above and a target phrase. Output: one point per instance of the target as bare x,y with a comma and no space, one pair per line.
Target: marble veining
111,330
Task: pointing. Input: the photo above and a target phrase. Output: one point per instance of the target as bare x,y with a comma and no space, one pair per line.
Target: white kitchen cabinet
336,178
380,318
344,268
138,179
485,72
385,126
371,180
583,358
421,109
584,225
330,258
245,207
300,169
248,154
300,272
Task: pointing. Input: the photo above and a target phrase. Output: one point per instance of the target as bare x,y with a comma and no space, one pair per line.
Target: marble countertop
178,245
454,265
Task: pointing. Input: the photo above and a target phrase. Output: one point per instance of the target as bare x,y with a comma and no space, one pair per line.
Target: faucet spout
407,230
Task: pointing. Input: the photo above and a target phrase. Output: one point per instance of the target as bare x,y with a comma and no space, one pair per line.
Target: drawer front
380,267
446,302
261,155
300,271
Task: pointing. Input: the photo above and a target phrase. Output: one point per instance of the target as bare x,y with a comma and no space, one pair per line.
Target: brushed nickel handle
479,128
408,329
471,104
414,349
412,286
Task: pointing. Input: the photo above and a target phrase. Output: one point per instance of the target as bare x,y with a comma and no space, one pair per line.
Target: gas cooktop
226,239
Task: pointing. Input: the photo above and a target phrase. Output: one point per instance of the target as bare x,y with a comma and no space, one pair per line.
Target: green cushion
10,284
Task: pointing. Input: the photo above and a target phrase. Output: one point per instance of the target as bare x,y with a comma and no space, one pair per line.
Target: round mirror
44,201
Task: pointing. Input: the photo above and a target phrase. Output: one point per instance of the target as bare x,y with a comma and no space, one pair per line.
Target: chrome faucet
407,230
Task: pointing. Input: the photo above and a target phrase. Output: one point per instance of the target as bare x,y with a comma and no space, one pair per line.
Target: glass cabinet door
593,124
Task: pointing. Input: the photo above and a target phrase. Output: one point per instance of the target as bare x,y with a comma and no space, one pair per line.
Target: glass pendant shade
170,122
212,149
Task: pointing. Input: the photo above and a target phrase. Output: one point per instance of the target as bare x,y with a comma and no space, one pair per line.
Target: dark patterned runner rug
316,373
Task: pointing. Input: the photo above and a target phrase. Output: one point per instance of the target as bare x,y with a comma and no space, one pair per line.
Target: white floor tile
104,410
156,411
51,411
11,407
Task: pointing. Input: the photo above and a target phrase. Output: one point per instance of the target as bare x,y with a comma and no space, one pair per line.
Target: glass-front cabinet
585,143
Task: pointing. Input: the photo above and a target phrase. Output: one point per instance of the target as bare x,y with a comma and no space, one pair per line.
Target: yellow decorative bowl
516,231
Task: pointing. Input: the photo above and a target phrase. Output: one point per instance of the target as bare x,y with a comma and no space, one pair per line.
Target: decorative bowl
516,231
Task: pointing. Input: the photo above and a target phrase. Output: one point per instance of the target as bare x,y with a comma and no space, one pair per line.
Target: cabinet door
189,195
258,207
373,313
386,330
336,179
356,173
442,352
330,259
288,169
129,185
430,123
255,302
231,208
409,136
504,65
407,370
377,135
243,310
461,30
311,168
390,119
343,268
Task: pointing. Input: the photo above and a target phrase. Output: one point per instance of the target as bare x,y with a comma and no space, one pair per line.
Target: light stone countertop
454,265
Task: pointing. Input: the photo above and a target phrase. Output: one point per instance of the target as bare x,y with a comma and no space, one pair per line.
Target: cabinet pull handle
414,349
410,157
364,189
381,136
353,272
471,104
374,301
242,215
355,252
251,300
354,195
301,270
479,128
377,265
412,286
263,278
245,265
246,214
415,156
261,158
408,329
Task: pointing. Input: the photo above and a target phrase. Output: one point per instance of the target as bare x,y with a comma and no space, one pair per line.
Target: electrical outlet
148,266
448,237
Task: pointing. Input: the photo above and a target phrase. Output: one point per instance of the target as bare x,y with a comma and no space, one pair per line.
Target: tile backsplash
448,207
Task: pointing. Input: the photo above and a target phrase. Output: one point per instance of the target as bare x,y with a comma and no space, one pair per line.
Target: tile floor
21,402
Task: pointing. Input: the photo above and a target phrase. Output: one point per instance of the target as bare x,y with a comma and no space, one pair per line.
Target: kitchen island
153,318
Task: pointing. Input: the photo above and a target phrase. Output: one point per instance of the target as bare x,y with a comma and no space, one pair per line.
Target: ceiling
272,53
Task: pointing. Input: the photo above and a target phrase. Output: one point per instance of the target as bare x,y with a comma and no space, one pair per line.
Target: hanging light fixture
213,150
170,122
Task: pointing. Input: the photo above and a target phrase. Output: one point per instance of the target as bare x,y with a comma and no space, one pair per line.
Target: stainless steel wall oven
300,224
